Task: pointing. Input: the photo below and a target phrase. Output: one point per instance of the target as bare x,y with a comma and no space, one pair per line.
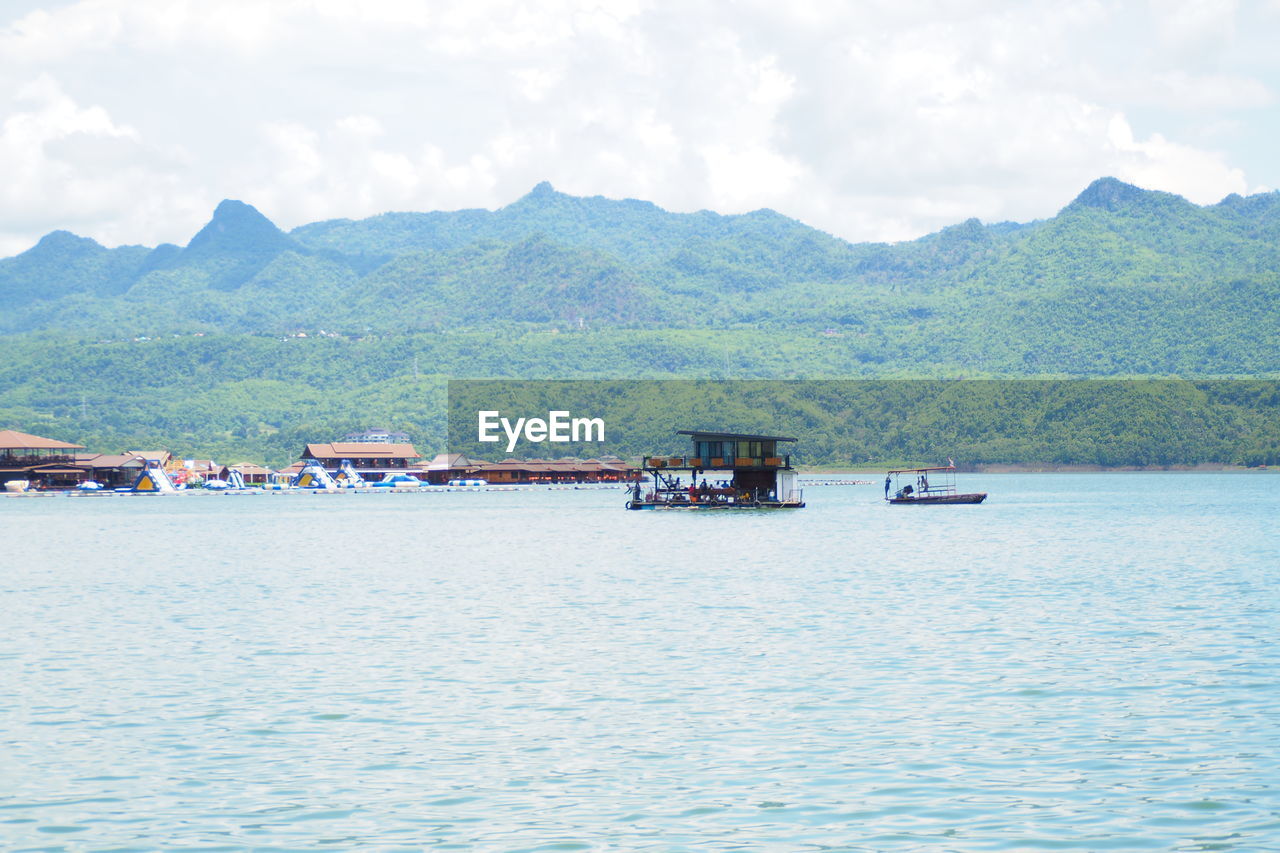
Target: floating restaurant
758,475
31,462
26,459
368,458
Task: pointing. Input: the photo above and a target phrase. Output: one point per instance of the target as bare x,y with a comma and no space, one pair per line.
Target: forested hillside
249,340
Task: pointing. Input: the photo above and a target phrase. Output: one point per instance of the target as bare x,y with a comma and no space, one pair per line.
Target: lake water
1086,662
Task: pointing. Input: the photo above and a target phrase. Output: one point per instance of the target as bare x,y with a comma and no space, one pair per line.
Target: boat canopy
922,470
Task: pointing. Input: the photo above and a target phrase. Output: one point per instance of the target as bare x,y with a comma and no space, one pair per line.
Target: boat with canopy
936,485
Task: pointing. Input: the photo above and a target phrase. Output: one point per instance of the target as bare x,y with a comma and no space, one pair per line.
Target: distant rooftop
11,439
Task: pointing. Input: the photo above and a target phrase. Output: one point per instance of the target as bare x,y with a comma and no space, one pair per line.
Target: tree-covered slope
201,342
1109,259
242,397
61,265
636,232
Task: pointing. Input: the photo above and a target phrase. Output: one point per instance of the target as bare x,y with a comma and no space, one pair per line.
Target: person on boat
924,482
888,482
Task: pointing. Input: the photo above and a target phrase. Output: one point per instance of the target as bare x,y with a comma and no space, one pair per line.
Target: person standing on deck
888,481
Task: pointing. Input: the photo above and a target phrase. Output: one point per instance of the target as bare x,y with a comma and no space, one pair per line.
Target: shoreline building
114,470
450,466
369,458
40,461
552,471
254,475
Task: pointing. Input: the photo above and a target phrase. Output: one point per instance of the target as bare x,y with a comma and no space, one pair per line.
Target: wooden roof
11,439
563,465
248,468
115,460
450,461
161,456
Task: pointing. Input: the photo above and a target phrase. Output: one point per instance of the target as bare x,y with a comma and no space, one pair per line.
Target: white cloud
298,159
746,178
877,120
1194,25
1200,176
68,165
361,125
42,36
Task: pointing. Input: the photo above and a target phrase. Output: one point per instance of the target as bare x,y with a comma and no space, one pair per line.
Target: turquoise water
1086,662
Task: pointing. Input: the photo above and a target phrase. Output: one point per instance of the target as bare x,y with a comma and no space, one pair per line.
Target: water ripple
1070,667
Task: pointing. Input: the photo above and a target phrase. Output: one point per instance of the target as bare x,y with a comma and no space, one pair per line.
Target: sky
129,120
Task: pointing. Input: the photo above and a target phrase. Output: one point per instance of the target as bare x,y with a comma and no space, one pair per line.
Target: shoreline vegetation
985,425
839,424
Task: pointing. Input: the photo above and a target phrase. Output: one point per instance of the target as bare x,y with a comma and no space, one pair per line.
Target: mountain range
213,349
559,260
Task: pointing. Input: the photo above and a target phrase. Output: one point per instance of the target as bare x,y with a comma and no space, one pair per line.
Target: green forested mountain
199,346
1103,265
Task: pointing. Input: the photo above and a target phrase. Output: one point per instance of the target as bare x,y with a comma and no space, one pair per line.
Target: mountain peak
230,208
970,229
64,241
1109,194
541,194
236,225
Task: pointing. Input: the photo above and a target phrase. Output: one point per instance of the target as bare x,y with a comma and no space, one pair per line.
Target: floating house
372,459
450,466
31,461
727,470
253,475
550,471
114,470
37,461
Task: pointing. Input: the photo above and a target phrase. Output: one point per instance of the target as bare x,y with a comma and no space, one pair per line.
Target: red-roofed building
37,460
368,458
